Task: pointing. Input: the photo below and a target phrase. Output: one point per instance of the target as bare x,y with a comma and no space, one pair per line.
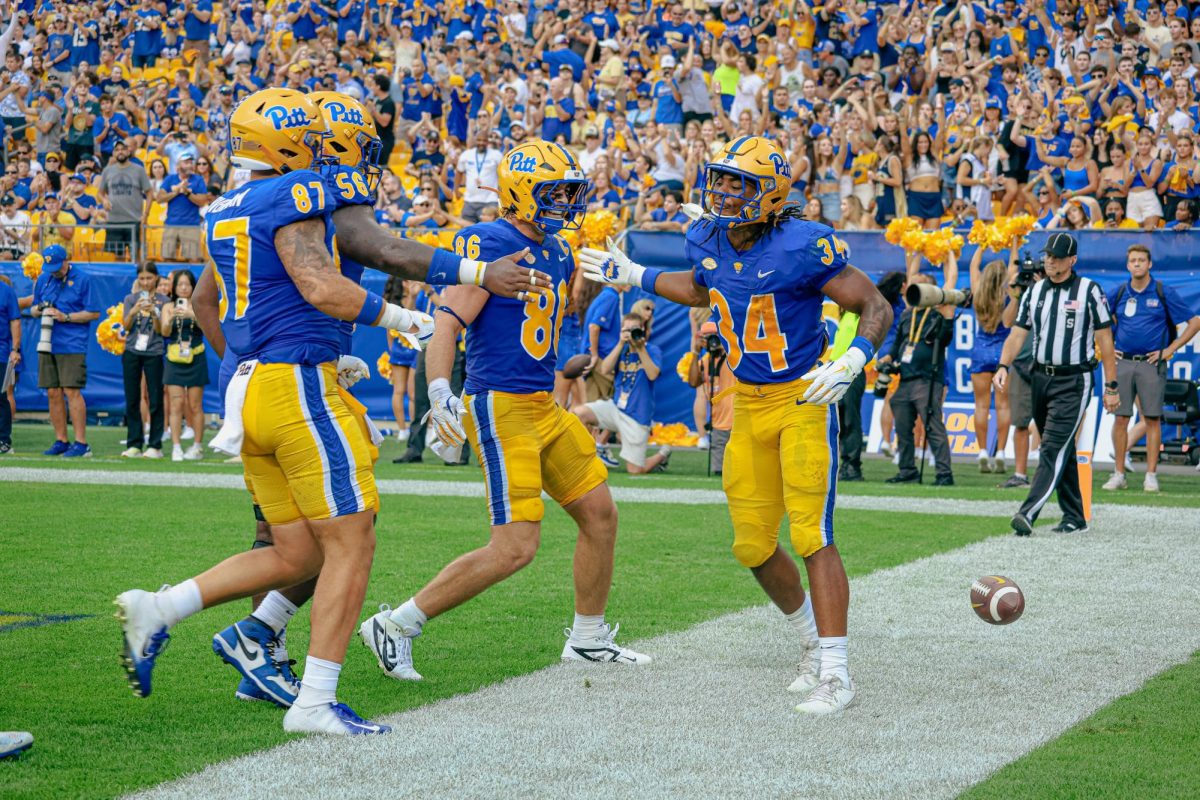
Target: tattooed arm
205,301
301,248
853,291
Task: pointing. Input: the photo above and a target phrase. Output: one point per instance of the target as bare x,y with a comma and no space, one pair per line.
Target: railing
11,134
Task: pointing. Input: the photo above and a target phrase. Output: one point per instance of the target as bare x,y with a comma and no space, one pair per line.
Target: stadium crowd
113,114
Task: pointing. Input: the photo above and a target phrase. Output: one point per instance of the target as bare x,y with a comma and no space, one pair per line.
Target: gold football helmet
766,180
543,184
277,130
353,139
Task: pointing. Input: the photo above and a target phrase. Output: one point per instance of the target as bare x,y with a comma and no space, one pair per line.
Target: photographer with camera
143,359
1068,318
709,371
1018,386
64,302
919,355
633,367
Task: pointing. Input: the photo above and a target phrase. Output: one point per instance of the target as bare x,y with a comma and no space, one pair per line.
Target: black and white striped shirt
1063,319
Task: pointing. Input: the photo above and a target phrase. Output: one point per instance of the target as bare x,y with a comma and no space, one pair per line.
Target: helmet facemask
716,201
554,215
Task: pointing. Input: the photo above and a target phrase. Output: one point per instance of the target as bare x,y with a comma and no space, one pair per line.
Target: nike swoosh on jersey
762,274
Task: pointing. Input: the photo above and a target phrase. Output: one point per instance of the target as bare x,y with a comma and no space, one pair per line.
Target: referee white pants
1059,403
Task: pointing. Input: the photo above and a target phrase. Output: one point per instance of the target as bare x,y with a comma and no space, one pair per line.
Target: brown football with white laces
997,600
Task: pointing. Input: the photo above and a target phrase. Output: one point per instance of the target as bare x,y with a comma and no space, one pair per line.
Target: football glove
445,414
610,266
351,370
830,381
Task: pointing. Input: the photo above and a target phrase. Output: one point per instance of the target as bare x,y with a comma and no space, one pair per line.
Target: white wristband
395,318
470,272
439,391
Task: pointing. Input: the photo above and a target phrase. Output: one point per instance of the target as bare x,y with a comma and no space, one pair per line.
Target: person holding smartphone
141,362
186,372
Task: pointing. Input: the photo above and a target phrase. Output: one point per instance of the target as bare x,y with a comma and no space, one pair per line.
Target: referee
1068,317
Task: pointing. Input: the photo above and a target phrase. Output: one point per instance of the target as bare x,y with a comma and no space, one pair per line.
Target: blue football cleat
337,719
607,457
57,449
13,743
145,636
250,693
78,450
249,647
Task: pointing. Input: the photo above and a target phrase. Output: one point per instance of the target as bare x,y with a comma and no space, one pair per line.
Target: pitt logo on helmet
782,167
338,112
517,162
282,117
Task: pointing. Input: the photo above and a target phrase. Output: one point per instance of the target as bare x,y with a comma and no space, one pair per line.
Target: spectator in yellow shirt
52,225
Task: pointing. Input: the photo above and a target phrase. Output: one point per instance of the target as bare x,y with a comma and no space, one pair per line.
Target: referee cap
1061,245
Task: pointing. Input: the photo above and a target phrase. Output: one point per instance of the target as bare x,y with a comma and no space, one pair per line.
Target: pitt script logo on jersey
282,117
782,167
339,113
522,163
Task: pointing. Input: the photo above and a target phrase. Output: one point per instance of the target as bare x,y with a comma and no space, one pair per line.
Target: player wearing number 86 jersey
525,442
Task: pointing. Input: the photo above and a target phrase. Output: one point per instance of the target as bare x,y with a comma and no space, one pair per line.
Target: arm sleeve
1024,313
1098,308
1180,312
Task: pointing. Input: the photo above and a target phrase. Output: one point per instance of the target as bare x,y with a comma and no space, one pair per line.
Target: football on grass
997,600
576,366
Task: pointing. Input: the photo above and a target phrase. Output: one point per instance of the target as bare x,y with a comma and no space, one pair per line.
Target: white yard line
623,494
944,699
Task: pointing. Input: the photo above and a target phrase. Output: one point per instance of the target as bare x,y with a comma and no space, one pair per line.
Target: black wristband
1005,367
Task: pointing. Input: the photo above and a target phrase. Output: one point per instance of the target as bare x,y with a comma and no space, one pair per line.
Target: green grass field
71,548
687,471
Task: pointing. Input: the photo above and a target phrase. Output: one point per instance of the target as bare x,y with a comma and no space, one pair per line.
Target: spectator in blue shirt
57,58
109,128
85,44
147,35
10,353
633,366
65,296
668,218
602,326
307,17
197,27
350,17
1146,314
668,100
184,88
559,110
560,56
185,194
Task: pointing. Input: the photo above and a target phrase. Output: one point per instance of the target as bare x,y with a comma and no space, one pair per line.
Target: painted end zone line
623,494
944,699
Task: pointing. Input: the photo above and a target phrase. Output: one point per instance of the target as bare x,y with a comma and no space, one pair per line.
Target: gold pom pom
383,367
31,265
110,333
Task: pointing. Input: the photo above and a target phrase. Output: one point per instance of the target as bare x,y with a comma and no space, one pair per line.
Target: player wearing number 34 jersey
765,273
525,442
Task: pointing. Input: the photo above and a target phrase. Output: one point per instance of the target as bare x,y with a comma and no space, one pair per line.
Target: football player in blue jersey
525,442
763,271
305,444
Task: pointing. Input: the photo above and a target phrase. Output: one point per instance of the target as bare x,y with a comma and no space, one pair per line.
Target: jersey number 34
760,332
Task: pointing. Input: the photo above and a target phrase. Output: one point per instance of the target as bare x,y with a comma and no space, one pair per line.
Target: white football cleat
809,671
1151,484
831,696
984,464
144,636
337,719
602,649
392,649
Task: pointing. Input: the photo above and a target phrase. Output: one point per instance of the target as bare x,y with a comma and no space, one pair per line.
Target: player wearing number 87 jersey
525,442
764,272
306,458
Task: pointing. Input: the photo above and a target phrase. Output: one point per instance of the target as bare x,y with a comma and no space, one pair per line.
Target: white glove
402,321
830,381
610,266
351,370
445,414
693,211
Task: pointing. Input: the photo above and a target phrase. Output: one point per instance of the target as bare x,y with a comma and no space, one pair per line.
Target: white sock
180,602
410,618
833,657
805,623
587,627
319,686
275,611
1020,475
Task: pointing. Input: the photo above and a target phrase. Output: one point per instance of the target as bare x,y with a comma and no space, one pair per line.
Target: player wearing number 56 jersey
307,461
525,442
764,272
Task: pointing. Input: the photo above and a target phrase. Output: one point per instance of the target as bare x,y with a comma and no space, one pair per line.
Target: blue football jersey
512,345
347,187
767,300
263,314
